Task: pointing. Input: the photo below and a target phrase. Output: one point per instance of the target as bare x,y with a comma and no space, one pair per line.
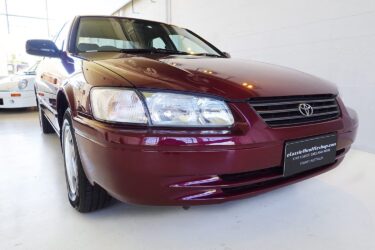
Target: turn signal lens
117,105
15,94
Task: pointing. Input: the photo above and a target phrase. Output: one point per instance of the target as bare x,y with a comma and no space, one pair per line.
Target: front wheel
82,195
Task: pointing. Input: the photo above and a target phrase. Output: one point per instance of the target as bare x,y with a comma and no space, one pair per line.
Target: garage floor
332,211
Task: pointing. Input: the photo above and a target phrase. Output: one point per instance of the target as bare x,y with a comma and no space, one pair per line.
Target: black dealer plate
306,154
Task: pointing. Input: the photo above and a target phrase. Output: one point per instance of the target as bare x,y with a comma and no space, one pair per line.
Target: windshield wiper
159,51
169,51
150,50
206,54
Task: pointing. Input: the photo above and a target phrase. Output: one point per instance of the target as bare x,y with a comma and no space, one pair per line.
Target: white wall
332,39
145,9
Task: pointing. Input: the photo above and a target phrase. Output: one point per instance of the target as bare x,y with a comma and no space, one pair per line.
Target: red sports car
151,113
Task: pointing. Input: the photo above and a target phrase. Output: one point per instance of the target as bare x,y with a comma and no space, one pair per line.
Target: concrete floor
333,211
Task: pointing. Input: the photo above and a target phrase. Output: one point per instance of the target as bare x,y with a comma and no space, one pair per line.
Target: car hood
10,83
224,77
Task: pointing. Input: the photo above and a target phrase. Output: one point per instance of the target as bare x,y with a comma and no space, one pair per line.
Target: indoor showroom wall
332,39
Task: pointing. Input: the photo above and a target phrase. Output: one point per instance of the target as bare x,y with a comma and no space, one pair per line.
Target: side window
61,38
158,43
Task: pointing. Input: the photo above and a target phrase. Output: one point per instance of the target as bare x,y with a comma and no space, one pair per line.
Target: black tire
44,123
87,197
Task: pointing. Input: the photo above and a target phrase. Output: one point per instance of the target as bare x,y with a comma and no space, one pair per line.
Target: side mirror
43,48
226,54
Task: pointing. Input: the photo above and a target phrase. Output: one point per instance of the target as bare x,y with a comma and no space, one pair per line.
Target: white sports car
17,91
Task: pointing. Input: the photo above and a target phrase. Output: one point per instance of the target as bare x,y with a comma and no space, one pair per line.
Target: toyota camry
152,113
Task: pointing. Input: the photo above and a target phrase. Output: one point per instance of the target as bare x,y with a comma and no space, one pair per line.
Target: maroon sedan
151,113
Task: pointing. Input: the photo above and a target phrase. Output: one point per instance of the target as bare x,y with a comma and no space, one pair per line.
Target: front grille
253,175
259,186
284,111
261,173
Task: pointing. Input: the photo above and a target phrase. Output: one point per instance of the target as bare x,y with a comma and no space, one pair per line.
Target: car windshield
130,35
29,71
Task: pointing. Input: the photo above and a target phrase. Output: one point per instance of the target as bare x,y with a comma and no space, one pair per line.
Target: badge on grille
306,109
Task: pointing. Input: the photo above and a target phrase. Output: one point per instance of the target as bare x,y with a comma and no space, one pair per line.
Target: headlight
169,109
117,105
166,109
22,84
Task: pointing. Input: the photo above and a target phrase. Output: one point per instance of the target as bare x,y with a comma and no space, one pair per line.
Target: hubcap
70,162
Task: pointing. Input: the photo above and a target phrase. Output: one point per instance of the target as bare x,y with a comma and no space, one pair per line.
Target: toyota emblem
306,109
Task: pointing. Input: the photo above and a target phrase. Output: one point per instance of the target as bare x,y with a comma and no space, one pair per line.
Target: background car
17,91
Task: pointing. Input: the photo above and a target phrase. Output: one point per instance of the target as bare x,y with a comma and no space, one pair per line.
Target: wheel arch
64,100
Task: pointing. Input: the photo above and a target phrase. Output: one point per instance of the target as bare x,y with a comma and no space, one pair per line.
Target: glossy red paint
184,166
222,77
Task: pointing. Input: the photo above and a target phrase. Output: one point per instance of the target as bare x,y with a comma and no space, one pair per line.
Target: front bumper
25,100
197,167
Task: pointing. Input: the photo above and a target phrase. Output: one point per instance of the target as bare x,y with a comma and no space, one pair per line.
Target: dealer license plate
306,154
